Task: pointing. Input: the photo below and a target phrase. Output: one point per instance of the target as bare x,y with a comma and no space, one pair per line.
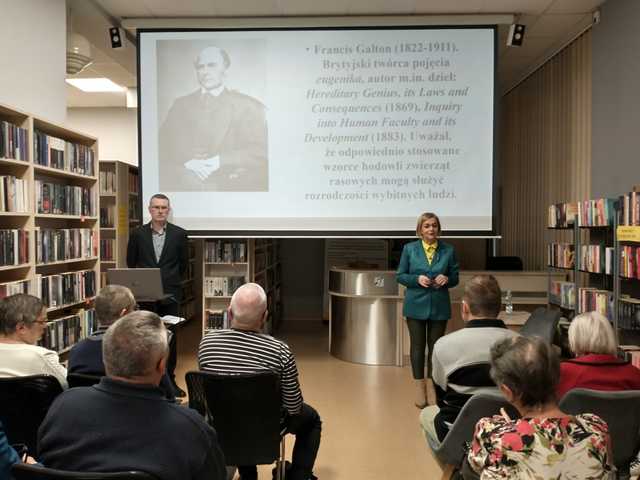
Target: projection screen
319,131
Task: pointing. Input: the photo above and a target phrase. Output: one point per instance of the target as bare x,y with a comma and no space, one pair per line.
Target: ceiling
551,24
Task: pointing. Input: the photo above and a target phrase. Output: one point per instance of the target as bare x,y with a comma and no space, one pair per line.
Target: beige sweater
21,359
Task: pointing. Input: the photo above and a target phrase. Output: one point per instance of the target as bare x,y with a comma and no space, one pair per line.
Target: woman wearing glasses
22,324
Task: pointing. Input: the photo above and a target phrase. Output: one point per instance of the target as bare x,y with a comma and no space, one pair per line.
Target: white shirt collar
214,91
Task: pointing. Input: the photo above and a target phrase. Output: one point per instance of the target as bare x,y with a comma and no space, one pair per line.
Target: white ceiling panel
574,6
247,8
554,25
126,8
312,7
381,7
530,7
440,7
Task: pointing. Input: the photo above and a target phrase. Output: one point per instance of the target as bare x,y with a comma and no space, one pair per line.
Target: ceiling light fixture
95,85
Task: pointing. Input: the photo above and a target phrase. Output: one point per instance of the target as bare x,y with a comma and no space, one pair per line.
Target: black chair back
620,411
82,379
21,471
504,264
244,410
543,323
24,402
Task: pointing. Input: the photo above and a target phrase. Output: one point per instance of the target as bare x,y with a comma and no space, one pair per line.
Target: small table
514,320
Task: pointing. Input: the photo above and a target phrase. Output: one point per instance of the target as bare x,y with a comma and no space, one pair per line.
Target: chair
542,323
22,471
24,402
82,379
451,451
245,410
620,411
504,264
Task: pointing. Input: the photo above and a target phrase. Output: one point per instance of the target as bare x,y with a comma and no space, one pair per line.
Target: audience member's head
592,332
135,348
526,369
248,308
482,298
113,302
22,318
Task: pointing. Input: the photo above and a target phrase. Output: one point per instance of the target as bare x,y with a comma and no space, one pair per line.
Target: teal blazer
427,303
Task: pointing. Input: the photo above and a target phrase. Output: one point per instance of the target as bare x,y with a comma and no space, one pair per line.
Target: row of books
562,215
108,182
560,255
134,216
57,153
55,245
134,186
563,294
31,286
14,194
630,261
13,141
64,332
107,249
592,299
67,288
62,199
216,320
225,251
596,259
14,247
221,286
629,313
107,217
630,209
596,213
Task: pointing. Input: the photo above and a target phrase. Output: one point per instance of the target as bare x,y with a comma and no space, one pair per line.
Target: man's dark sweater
117,426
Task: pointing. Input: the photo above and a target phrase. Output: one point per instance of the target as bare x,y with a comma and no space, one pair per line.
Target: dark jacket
117,426
173,260
427,303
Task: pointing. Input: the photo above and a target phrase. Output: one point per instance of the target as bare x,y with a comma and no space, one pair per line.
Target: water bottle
508,304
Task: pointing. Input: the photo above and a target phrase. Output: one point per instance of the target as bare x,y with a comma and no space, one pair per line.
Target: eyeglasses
42,322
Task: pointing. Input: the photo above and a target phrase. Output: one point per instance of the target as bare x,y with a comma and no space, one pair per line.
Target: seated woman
22,323
545,443
595,366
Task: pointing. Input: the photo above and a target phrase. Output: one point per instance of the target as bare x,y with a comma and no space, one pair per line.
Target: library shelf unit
225,264
49,214
627,285
119,212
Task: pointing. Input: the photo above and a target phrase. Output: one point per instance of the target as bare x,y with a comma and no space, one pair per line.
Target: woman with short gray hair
544,443
23,320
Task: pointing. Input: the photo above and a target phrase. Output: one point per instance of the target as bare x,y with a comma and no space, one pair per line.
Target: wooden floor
370,425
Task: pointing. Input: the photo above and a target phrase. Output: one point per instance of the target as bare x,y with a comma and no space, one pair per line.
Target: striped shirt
240,351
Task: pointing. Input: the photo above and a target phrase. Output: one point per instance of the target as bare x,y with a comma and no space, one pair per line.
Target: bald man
225,351
214,139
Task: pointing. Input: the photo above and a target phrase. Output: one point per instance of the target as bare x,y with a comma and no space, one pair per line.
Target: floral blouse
541,448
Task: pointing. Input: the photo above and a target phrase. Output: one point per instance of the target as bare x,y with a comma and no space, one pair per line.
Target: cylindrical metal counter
365,323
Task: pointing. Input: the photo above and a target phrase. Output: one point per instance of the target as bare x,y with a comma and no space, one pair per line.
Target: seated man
124,422
112,303
461,359
245,349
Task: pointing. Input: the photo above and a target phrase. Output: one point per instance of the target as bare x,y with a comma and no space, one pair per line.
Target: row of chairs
249,432
619,409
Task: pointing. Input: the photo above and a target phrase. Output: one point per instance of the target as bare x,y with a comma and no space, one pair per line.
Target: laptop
144,283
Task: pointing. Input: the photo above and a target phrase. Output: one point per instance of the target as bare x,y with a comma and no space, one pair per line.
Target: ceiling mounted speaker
78,53
516,35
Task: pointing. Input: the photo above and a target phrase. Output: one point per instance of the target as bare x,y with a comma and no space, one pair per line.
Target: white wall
116,129
33,58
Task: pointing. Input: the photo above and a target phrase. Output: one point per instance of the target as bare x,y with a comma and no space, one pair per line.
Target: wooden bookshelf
69,160
224,264
116,180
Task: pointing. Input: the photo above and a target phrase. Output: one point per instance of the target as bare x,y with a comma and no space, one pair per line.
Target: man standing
245,349
160,244
461,359
124,422
215,138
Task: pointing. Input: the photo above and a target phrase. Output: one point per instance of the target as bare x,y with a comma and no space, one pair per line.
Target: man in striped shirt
245,349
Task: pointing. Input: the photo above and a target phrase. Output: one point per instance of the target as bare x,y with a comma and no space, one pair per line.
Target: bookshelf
225,264
119,211
49,236
586,252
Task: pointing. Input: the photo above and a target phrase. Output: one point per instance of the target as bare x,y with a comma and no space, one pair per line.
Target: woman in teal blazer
428,268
